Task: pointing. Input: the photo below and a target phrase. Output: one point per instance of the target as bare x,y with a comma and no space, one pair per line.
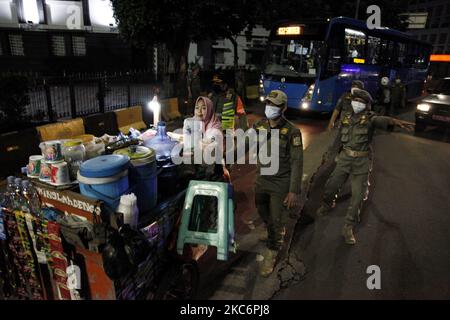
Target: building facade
219,54
436,30
56,37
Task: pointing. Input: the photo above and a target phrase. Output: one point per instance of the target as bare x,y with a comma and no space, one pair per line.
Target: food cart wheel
179,282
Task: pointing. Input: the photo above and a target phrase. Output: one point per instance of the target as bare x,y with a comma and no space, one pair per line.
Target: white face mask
358,106
398,80
272,112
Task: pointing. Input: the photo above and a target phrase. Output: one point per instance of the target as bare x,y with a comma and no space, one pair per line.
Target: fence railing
56,98
52,99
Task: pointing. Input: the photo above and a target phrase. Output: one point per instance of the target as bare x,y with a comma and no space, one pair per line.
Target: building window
79,46
438,11
435,23
442,38
219,57
424,37
58,46
432,38
16,45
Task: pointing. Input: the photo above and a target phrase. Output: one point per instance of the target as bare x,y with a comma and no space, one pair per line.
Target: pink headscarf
210,120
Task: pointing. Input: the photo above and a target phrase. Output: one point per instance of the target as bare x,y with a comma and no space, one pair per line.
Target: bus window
411,54
398,54
293,58
355,42
373,50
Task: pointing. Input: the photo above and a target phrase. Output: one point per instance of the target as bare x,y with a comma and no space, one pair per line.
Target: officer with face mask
357,127
344,103
276,194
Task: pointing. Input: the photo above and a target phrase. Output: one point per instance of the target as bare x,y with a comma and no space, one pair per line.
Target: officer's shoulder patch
296,140
261,125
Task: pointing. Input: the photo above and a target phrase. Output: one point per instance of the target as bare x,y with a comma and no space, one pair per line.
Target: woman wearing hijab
204,123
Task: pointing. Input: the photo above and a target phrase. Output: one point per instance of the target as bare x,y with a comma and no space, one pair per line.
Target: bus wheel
179,282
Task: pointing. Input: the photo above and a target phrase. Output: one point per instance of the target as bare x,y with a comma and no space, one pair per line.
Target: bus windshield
292,58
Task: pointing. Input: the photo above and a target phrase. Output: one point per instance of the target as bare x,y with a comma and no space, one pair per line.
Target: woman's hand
292,200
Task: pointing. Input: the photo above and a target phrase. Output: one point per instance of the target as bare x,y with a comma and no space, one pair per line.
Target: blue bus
314,62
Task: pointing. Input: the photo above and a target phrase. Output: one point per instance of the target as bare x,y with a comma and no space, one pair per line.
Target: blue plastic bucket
105,178
143,176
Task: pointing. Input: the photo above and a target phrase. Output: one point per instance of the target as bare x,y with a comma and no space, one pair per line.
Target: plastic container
74,154
95,150
128,208
161,143
143,175
105,178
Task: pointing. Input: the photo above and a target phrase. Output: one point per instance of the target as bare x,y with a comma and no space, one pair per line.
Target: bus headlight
309,93
305,105
425,107
262,98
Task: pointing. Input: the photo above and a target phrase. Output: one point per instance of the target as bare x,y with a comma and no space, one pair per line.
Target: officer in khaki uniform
276,194
344,104
357,126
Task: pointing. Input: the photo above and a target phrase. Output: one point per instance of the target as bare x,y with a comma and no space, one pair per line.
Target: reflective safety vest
228,113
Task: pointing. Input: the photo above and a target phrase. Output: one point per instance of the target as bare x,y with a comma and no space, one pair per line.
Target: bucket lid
86,138
143,154
104,166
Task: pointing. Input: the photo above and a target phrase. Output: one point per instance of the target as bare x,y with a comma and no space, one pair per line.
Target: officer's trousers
359,189
274,214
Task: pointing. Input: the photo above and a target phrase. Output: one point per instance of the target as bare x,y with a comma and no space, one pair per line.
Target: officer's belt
356,154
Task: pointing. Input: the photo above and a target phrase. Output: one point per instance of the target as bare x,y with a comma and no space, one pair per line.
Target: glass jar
74,154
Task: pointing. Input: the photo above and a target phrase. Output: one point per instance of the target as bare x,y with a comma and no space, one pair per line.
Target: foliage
13,97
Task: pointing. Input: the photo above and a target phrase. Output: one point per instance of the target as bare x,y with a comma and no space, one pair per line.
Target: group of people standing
277,195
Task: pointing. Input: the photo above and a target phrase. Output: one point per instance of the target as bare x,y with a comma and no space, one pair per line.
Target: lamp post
357,9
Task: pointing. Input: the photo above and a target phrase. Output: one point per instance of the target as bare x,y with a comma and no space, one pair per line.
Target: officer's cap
358,84
362,94
277,97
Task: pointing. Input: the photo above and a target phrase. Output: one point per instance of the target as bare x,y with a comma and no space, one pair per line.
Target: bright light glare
154,105
101,13
423,107
261,99
305,105
30,11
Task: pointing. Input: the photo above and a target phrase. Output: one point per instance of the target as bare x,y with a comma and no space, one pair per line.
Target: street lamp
155,106
357,9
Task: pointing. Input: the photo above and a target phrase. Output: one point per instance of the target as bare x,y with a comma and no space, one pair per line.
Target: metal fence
57,98
52,99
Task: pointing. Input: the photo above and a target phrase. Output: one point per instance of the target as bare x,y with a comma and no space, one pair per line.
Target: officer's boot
268,264
323,210
347,232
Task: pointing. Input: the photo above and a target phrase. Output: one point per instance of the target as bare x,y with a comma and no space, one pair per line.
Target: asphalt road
404,228
234,279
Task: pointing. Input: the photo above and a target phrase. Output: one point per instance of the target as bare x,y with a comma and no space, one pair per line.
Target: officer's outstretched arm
388,123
